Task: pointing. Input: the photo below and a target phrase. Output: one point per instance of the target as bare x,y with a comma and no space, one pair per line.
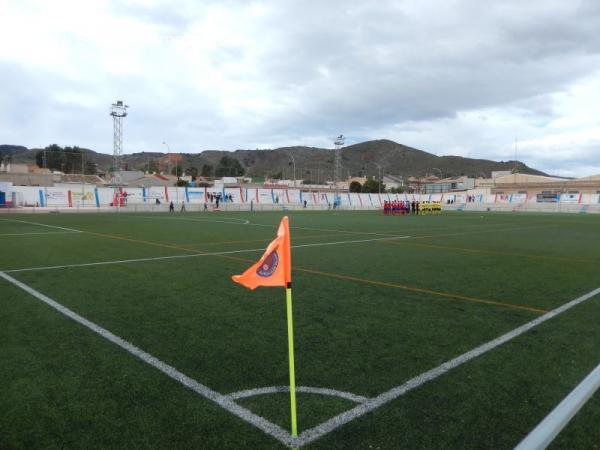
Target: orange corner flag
274,268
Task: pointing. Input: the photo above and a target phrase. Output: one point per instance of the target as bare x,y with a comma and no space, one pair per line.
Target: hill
10,152
315,164
358,159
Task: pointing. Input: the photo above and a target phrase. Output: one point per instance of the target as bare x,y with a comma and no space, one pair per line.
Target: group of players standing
400,207
415,207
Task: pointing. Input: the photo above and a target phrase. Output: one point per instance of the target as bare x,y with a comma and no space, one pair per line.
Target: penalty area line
38,233
372,404
73,230
225,220
192,255
223,401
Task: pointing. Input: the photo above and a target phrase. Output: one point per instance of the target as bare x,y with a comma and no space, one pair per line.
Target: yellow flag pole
290,323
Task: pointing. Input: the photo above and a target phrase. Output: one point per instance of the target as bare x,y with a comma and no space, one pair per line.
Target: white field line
371,404
324,229
319,244
38,233
194,255
330,425
486,230
182,219
303,389
223,401
43,225
248,223
102,263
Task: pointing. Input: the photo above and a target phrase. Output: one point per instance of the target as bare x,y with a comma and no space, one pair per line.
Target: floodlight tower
337,165
118,111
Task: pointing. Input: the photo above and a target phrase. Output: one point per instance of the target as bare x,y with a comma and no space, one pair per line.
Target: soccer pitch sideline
455,331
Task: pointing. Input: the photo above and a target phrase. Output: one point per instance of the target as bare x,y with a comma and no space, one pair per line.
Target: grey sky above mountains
455,77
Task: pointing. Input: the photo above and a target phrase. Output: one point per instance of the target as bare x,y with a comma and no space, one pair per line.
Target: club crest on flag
269,265
274,268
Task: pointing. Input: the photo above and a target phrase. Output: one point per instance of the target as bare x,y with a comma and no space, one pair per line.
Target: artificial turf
368,316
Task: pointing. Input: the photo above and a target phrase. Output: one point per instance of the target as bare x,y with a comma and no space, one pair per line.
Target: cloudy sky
468,78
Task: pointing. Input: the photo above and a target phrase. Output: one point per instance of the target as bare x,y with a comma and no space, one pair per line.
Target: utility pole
169,157
294,164
380,175
82,179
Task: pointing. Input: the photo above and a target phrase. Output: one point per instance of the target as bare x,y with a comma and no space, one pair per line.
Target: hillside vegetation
315,164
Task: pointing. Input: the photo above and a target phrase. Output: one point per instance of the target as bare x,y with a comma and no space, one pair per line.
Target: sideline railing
189,207
548,429
246,207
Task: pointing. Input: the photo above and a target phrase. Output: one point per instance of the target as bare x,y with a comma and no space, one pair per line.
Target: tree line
65,159
227,167
372,186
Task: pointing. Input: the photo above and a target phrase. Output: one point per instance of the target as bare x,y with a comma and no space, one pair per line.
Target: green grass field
371,312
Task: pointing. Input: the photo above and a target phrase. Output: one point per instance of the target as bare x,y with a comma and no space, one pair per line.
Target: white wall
58,197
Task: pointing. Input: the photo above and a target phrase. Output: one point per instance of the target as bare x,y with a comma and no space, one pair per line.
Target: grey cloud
169,16
443,71
333,67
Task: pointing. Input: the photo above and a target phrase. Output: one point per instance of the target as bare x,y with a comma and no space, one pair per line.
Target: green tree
229,167
91,168
66,160
152,166
73,160
372,185
355,186
192,172
207,170
177,171
49,157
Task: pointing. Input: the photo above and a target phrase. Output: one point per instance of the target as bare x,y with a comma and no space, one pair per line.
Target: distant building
280,183
393,181
361,180
545,187
448,185
515,178
33,168
500,173
128,176
16,168
417,184
154,179
32,175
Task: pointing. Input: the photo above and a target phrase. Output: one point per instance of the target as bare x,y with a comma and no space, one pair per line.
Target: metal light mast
337,165
118,111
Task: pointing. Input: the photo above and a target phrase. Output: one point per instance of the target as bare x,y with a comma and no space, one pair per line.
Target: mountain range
315,164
